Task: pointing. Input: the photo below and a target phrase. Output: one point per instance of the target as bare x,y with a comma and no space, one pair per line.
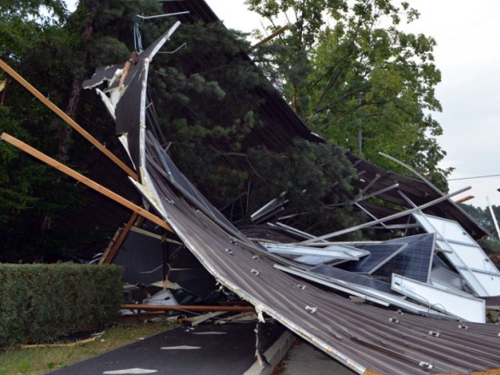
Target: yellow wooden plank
88,182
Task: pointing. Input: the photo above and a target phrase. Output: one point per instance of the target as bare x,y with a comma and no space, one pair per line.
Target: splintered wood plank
86,181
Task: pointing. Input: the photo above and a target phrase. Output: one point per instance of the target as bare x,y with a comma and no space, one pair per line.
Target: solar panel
350,277
312,260
464,254
414,261
379,255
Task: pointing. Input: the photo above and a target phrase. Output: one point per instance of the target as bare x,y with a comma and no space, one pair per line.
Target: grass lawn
35,361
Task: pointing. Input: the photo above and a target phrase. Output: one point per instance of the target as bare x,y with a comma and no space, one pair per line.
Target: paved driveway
227,349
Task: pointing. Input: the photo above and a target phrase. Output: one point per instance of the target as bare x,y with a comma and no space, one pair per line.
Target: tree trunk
71,107
74,93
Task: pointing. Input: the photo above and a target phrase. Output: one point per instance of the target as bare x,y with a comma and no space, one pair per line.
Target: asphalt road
227,349
304,359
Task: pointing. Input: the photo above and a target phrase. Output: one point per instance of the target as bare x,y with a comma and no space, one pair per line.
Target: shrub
40,303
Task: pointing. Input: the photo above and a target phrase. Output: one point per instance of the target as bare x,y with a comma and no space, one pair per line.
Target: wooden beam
68,119
121,238
464,199
88,182
272,36
110,245
187,308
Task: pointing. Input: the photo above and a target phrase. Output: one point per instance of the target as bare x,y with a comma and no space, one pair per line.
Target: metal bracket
183,45
311,309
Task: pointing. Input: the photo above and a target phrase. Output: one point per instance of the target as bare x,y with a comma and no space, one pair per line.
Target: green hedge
40,302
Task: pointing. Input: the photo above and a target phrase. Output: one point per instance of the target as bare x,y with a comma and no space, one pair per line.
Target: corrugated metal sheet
363,337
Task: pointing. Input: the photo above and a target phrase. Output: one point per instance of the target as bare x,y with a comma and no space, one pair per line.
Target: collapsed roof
365,338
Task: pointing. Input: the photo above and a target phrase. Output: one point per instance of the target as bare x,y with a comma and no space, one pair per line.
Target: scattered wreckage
410,305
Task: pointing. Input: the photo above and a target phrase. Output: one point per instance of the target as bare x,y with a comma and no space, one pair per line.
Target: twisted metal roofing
365,338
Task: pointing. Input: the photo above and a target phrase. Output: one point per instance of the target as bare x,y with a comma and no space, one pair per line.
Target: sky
468,56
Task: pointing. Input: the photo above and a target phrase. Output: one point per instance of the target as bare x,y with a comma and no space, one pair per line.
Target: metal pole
161,15
375,193
187,308
432,186
360,194
387,218
427,182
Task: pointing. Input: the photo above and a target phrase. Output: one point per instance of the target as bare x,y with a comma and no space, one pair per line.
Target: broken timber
108,258
188,308
88,182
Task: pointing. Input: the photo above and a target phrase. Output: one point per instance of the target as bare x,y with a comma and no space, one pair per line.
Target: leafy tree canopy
491,244
208,103
357,78
52,51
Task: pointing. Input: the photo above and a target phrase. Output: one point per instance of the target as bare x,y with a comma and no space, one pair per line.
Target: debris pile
435,272
410,305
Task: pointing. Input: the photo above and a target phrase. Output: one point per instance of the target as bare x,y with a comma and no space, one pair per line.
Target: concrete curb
274,355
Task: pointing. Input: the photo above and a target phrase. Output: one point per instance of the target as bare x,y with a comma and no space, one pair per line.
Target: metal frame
452,253
465,307
387,218
366,293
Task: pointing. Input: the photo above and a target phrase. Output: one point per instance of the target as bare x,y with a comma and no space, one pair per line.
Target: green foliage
349,77
360,82
490,244
42,360
209,99
23,22
54,53
312,174
32,197
41,303
483,217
